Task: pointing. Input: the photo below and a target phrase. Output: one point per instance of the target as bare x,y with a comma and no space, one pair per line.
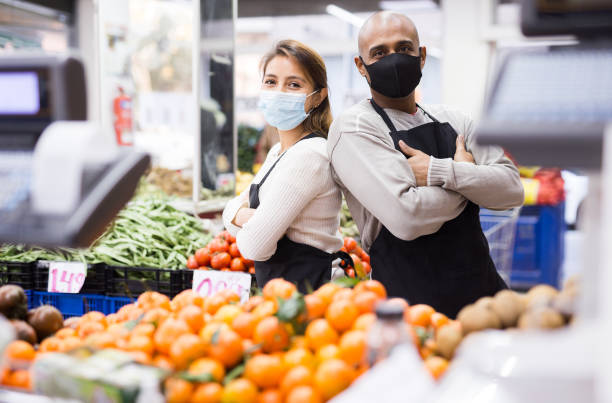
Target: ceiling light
344,15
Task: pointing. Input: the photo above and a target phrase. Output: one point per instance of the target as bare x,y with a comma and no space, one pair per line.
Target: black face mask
395,75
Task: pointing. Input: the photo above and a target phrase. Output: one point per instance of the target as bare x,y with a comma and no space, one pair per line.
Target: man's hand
419,162
243,216
461,154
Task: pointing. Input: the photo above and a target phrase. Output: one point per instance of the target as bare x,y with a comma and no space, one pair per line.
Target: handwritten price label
208,282
66,277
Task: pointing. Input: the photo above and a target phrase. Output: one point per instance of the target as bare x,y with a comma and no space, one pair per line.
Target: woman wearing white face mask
287,221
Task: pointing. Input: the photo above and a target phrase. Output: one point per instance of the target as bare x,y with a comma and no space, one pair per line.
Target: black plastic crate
95,282
17,273
130,282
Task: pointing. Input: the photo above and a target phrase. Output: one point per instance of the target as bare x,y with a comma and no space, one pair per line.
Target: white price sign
66,277
208,282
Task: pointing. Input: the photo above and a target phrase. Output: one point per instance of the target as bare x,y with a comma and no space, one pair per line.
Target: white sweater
299,198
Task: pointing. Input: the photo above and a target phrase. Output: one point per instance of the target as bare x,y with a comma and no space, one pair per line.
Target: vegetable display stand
132,281
76,304
95,282
539,246
17,273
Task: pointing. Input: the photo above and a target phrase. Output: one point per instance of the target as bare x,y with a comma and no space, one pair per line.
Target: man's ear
423,56
361,67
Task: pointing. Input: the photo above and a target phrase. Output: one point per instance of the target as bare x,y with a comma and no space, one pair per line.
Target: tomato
351,273
218,245
202,256
366,267
203,268
365,257
349,244
355,258
237,265
252,270
219,260
233,250
248,263
192,263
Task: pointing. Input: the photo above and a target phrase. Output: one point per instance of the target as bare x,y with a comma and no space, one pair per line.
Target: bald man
414,178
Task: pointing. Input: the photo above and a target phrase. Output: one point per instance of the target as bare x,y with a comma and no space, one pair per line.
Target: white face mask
283,110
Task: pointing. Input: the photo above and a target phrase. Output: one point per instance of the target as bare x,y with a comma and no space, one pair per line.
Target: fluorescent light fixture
408,5
344,15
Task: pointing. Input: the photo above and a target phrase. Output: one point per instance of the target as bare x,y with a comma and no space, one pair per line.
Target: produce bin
18,273
539,246
499,228
76,304
133,281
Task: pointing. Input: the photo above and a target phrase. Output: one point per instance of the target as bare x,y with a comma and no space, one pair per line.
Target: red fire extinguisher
122,110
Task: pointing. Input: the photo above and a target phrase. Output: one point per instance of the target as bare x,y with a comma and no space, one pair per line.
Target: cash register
62,180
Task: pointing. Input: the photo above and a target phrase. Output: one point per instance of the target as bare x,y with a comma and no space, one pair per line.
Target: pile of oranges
18,357
276,347
221,253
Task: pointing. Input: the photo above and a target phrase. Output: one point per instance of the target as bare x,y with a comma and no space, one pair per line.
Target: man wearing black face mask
414,178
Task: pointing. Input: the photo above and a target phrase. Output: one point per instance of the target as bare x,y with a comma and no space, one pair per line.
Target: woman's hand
243,216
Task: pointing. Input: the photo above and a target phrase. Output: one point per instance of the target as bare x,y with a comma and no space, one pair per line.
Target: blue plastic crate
68,304
114,303
539,246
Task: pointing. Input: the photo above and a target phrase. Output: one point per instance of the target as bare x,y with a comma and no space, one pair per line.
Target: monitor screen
582,18
19,93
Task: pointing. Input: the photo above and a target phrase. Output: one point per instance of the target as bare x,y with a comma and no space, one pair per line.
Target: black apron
301,264
450,268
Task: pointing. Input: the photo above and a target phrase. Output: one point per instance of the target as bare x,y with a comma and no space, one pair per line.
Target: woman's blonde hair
320,118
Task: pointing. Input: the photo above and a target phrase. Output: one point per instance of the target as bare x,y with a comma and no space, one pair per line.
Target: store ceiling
261,8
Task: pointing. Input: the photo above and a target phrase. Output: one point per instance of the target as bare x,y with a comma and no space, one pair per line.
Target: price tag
208,282
66,277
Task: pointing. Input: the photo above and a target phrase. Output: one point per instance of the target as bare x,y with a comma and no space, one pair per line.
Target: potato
476,317
538,291
508,306
485,302
448,339
541,318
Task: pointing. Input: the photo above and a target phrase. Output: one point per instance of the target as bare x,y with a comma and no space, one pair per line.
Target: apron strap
261,182
427,114
383,115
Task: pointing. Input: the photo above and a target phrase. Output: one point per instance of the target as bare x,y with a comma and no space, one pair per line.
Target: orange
207,365
319,333
299,356
304,394
50,344
70,343
372,285
118,330
420,315
327,352
252,303
168,332
278,288
155,316
226,346
341,314
250,348
398,301
265,309
143,329
153,299
164,362
436,366
19,379
72,322
365,301
20,350
271,334
428,348
270,396
94,316
65,332
178,390
141,343
326,292
227,313
298,342
438,320
230,296
296,376
213,303
140,357
352,347
186,298
364,321
315,307
332,377
209,392
244,324
89,327
344,293
240,390
265,370
194,316
186,348
101,340
210,329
